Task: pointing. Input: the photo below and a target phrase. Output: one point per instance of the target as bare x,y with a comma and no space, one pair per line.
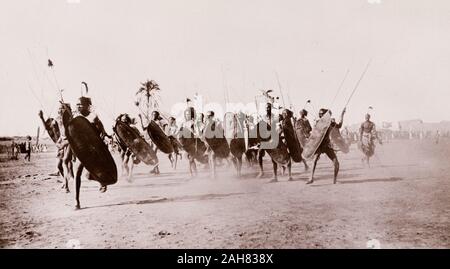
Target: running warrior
272,130
57,132
157,122
188,135
269,119
217,145
326,147
84,110
171,130
367,136
303,130
125,152
156,118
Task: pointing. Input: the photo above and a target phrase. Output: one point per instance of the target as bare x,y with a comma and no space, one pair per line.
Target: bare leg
130,173
60,167
229,162
239,166
316,158
289,167
260,162
125,167
234,160
78,184
175,162
171,159
336,169
155,170
212,163
306,165
70,164
122,158
192,166
68,167
275,172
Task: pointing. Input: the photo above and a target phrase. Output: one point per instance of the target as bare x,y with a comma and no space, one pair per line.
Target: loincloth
367,144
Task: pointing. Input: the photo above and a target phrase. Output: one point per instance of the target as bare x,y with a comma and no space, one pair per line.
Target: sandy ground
402,200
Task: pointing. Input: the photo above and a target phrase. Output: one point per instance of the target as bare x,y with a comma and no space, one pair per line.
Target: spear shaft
357,84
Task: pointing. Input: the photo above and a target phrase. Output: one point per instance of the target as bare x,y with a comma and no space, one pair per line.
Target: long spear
357,84
281,91
51,66
37,137
340,87
291,106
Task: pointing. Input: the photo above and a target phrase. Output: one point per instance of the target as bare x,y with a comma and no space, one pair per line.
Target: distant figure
367,136
14,151
438,135
28,149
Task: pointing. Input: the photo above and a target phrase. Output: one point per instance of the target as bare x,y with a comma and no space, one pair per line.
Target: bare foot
273,180
309,181
154,171
260,175
290,179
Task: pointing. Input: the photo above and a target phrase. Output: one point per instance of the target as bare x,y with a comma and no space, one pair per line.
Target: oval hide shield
214,137
279,153
134,141
317,135
194,146
52,129
234,134
158,137
293,144
91,151
337,141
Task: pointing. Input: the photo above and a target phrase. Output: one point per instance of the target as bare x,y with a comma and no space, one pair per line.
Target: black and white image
254,124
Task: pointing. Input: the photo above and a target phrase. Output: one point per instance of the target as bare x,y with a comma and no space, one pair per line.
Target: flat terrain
402,200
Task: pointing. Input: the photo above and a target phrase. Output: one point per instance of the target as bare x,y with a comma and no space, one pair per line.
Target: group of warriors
82,141
24,147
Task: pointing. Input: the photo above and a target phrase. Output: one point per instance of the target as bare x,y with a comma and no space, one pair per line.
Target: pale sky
185,45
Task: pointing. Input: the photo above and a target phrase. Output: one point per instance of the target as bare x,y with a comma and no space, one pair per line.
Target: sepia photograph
224,124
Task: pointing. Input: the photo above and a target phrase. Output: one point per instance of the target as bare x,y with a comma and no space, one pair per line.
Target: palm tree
149,90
